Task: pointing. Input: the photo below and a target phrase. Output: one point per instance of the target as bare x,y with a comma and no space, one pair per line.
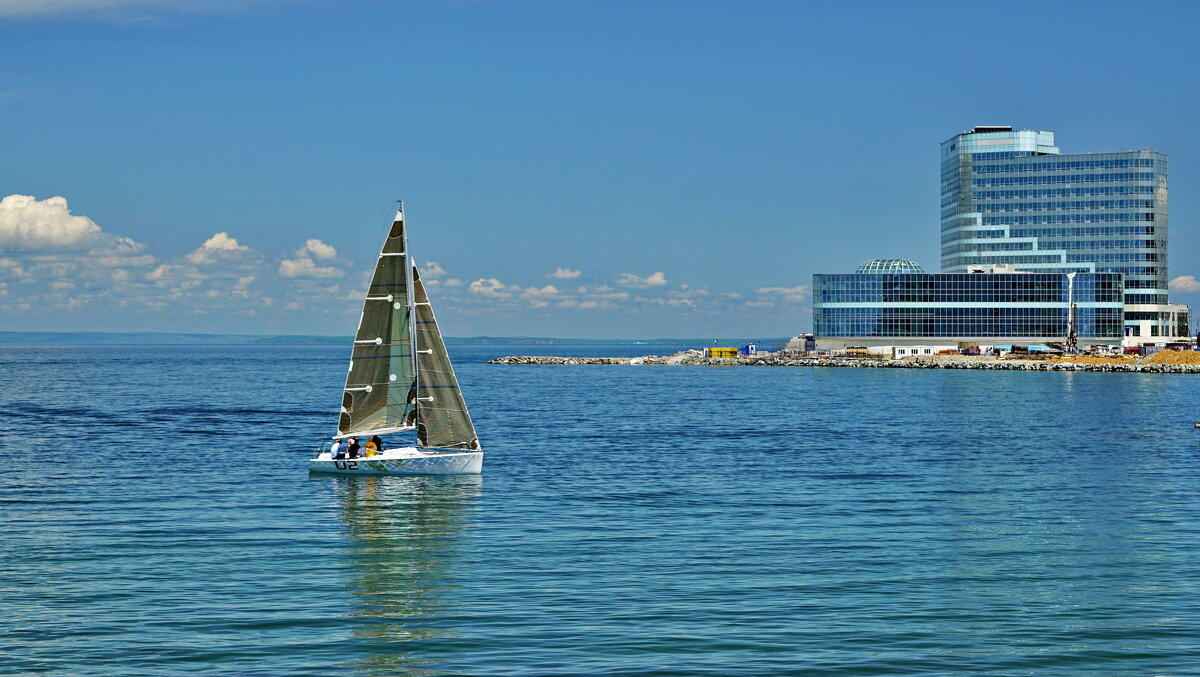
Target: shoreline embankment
696,358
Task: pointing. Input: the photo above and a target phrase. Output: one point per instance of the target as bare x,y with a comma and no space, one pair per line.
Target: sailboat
400,380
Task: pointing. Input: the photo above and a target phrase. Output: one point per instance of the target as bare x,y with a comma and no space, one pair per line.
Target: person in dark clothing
352,450
377,441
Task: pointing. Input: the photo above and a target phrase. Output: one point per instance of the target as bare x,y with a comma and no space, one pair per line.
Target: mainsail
379,396
442,418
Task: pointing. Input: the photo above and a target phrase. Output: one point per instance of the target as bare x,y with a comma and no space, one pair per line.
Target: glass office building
1011,197
893,302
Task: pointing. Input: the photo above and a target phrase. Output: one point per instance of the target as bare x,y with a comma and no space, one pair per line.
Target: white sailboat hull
405,461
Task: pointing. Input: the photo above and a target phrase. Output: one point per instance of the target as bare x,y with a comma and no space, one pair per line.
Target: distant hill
163,338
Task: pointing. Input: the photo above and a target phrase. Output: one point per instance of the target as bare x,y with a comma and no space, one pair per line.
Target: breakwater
696,358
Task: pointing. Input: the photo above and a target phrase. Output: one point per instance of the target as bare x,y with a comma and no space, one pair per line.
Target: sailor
371,447
377,441
336,451
352,450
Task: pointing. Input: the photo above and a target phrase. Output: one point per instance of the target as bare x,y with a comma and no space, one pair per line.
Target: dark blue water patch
19,409
192,411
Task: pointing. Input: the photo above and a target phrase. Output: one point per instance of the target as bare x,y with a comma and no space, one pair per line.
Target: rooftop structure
890,266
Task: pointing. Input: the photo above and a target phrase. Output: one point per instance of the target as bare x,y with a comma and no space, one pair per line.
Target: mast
412,325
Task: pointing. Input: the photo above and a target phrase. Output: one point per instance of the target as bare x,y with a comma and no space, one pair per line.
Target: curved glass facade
966,307
1011,197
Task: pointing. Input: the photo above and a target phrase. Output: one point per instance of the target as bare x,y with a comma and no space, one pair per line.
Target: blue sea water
157,519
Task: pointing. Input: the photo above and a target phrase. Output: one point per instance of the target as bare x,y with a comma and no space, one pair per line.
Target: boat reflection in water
402,561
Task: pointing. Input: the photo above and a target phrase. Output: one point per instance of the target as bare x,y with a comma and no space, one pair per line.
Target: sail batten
377,431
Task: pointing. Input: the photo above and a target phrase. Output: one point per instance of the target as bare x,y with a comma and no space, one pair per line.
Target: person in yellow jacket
372,447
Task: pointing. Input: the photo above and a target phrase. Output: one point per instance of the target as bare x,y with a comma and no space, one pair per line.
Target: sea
158,519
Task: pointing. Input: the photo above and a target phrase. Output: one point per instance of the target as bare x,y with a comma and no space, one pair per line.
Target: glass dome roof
890,266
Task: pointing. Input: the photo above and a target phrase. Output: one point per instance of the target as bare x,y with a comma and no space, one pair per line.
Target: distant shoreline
685,359
168,338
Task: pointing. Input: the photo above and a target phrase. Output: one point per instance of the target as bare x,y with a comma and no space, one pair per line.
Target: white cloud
1184,283
489,287
564,274
453,282
677,302
305,267
318,249
432,269
31,225
615,296
653,280
686,292
113,10
77,261
158,273
219,246
548,290
789,294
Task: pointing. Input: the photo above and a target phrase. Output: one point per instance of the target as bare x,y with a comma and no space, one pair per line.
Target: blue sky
684,166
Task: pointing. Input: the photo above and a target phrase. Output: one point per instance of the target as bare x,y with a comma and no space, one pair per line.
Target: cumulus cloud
488,287
78,262
564,274
653,280
306,267
303,265
318,249
789,294
548,290
432,269
31,225
158,273
1184,283
219,246
685,292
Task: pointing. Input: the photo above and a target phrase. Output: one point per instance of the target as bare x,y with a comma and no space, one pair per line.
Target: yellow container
722,353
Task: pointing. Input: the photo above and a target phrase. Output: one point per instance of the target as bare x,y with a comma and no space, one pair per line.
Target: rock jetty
695,357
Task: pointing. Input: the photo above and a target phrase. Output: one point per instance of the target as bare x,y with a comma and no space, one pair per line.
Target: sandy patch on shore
1175,357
